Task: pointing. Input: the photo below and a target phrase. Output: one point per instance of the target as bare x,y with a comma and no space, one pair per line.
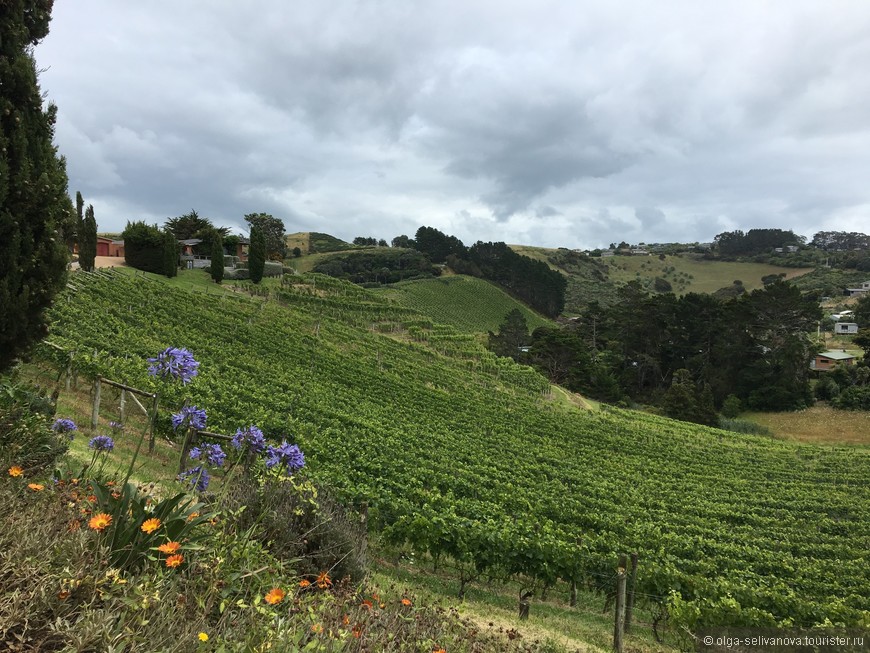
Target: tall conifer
34,206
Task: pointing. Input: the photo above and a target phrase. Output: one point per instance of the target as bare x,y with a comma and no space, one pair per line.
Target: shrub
743,426
299,520
144,247
731,407
26,437
854,398
826,389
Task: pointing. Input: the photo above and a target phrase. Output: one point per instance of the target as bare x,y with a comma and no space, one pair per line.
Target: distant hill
313,242
593,278
468,304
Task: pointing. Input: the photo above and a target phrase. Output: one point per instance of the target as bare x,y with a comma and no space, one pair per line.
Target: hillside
469,304
312,242
461,455
597,279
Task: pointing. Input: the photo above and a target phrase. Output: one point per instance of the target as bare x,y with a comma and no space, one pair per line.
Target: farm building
845,328
864,289
106,247
828,360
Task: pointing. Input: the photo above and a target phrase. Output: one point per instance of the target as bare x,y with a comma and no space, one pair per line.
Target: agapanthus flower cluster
174,363
64,425
116,426
198,477
250,437
101,443
286,454
210,452
195,417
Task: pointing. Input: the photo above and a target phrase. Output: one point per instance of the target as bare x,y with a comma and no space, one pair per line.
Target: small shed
828,360
845,328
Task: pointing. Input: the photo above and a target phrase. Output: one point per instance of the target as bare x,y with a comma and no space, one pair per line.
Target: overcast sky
558,124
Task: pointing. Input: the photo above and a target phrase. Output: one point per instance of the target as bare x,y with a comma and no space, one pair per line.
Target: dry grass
820,424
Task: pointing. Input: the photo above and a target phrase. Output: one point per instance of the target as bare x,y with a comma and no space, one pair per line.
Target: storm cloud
543,123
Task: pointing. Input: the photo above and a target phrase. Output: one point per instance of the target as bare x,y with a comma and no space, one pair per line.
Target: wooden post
154,404
573,600
185,448
629,604
95,413
123,407
524,604
69,371
619,625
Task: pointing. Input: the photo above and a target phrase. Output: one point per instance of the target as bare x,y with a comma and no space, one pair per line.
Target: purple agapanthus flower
210,452
64,425
116,426
174,363
252,437
286,454
195,417
198,477
101,443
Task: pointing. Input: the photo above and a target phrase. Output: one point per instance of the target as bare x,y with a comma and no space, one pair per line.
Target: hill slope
596,279
471,305
462,455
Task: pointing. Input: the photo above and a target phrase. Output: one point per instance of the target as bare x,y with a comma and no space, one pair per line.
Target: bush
743,426
144,247
731,407
826,389
854,398
26,438
301,521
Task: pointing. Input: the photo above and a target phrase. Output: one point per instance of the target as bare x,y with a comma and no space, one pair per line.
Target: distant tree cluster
531,281
754,241
685,354
378,266
840,240
367,241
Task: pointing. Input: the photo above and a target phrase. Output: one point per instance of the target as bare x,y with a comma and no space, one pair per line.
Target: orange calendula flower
439,650
36,487
323,580
174,560
116,495
74,525
63,595
316,628
150,525
169,547
275,596
192,516
357,631
304,583
15,471
92,498
366,604
406,602
100,521
345,620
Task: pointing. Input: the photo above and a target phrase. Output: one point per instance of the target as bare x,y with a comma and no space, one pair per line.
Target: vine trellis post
150,413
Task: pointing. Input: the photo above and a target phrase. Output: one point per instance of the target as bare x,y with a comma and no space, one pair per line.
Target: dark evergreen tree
170,254
34,205
272,230
257,254
88,240
512,334
144,247
217,259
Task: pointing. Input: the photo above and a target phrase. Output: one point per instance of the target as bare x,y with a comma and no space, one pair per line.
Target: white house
845,328
865,288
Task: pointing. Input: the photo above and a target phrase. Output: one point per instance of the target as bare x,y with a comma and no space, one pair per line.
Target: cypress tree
35,210
257,254
88,240
217,258
170,254
80,216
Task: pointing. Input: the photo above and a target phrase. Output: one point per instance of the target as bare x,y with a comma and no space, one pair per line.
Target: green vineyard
460,454
469,304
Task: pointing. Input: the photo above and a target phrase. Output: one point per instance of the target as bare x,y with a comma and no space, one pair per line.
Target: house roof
191,241
836,355
847,324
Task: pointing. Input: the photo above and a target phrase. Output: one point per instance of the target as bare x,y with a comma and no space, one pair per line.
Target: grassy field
820,424
694,274
469,304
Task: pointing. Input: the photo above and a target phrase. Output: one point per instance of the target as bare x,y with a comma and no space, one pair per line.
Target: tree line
686,354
